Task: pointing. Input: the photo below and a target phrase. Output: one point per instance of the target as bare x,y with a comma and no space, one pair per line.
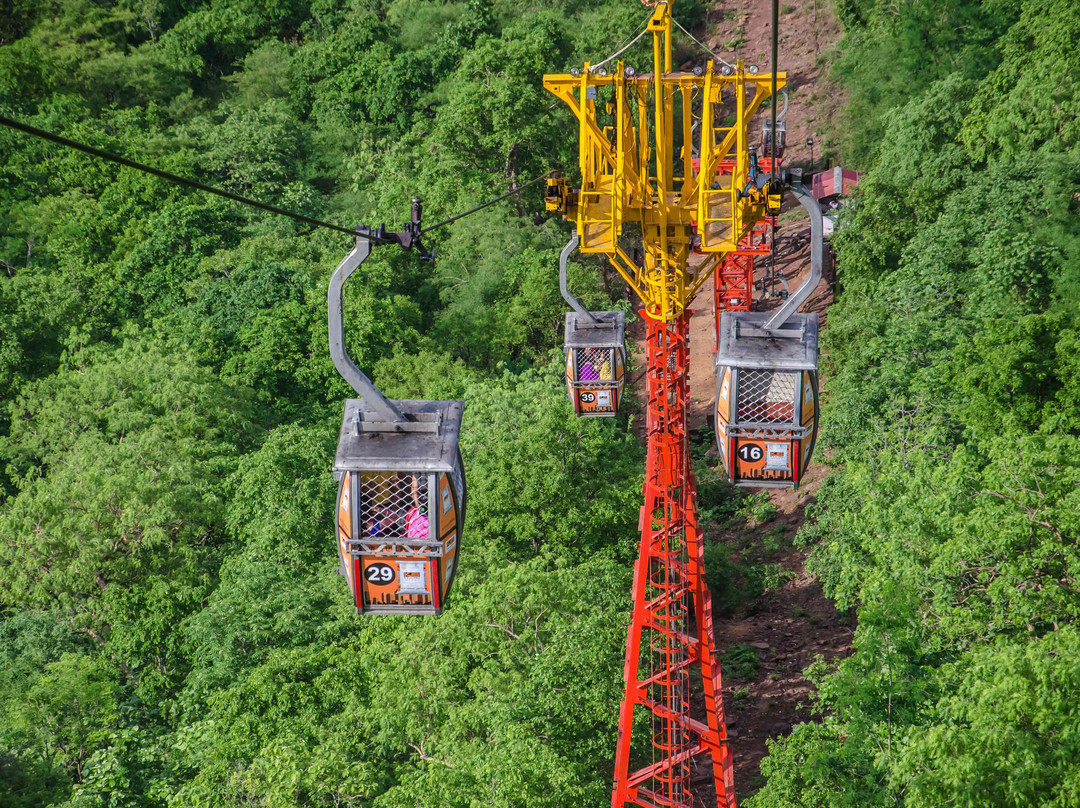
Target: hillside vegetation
172,630
951,520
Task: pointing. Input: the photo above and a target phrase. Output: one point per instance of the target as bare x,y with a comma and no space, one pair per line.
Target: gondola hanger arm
574,303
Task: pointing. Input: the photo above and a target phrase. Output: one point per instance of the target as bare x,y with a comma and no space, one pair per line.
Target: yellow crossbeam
629,171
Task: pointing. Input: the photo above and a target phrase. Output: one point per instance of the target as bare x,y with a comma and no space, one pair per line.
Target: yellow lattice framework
627,157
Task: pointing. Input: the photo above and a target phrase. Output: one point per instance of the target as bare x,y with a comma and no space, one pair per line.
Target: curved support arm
367,390
792,304
575,304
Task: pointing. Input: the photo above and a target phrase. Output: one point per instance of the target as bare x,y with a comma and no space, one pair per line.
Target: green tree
117,461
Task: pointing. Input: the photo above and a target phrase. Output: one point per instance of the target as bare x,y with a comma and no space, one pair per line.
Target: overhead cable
176,178
772,83
210,189
517,190
621,50
702,45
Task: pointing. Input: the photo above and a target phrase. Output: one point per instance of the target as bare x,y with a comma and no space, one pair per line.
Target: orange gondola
400,507
766,400
595,347
767,381
401,482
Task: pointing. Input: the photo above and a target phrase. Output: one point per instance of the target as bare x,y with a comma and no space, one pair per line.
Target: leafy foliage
950,521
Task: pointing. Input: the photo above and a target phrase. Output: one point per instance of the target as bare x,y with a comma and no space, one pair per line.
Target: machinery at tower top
644,174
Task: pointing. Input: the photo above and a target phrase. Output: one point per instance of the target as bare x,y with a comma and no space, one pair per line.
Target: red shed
834,182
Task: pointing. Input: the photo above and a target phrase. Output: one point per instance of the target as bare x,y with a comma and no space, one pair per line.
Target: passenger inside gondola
416,521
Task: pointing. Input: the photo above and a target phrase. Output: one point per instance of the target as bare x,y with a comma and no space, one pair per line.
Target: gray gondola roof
799,351
367,444
608,333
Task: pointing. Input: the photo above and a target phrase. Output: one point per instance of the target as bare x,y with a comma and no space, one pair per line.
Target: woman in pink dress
416,520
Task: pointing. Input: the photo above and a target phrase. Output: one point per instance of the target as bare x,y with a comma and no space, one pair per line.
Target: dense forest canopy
172,628
951,520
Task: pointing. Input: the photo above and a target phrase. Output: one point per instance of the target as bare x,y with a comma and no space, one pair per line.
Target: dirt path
787,626
768,640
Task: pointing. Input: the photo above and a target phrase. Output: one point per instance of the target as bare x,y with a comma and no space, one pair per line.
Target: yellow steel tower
627,155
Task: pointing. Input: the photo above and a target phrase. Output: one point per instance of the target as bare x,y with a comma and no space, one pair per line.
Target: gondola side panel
620,374
723,418
809,418
356,564
346,503
390,582
571,362
750,454
448,533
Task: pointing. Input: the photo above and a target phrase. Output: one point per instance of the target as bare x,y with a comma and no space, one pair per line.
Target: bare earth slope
791,624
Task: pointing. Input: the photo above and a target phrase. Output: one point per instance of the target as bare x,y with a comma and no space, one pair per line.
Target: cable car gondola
766,399
766,138
401,493
401,506
595,347
767,383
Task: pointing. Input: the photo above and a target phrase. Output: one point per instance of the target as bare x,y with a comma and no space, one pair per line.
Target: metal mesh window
595,364
767,396
393,505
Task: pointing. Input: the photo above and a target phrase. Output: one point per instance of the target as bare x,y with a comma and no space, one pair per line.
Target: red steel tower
643,167
670,640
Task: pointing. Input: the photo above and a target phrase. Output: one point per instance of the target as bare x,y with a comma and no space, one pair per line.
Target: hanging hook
791,305
367,390
575,304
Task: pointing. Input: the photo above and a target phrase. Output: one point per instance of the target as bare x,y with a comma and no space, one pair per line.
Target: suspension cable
702,45
775,39
175,178
623,49
210,189
488,204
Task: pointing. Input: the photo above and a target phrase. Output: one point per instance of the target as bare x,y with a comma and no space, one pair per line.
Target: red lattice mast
733,283
670,640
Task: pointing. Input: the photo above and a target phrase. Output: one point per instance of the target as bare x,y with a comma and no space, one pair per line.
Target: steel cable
210,189
175,178
621,50
488,204
701,44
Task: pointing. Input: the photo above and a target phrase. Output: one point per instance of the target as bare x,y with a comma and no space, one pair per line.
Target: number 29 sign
379,574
